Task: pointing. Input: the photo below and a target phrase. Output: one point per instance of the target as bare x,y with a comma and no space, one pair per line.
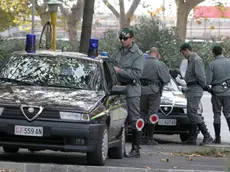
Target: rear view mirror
117,89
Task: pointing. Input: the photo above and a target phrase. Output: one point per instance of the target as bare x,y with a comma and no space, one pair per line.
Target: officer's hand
117,69
208,89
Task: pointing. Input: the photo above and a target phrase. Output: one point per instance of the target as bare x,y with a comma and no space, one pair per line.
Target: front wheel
118,152
99,156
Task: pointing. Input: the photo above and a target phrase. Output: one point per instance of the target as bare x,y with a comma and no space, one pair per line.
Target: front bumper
59,136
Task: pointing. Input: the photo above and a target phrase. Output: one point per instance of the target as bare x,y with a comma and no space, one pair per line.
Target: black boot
192,135
135,151
207,137
150,132
217,133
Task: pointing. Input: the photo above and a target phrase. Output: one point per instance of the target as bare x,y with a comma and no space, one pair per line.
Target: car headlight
74,116
1,110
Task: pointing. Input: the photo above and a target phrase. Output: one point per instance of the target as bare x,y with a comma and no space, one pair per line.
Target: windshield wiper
62,86
16,81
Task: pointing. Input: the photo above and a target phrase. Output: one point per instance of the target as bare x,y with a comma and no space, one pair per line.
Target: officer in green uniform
155,76
196,82
129,63
218,75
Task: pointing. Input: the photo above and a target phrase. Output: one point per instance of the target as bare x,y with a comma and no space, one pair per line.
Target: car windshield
52,71
171,86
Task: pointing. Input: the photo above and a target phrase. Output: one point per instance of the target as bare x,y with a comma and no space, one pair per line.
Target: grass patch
207,152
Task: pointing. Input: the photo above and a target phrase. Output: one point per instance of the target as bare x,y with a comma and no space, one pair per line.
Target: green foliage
109,42
6,19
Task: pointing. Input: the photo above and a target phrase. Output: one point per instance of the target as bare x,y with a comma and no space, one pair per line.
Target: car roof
49,53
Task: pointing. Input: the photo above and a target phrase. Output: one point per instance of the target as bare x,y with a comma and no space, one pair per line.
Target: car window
45,70
171,86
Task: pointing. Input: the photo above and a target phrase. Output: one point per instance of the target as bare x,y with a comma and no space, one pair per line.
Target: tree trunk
124,18
183,9
74,18
86,25
181,23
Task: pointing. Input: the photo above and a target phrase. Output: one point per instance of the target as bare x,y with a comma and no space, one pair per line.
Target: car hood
173,98
50,96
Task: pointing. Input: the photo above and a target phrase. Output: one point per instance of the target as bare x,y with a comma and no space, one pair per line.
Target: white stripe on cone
140,124
154,118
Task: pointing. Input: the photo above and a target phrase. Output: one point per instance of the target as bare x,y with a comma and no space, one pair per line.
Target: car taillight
154,119
140,124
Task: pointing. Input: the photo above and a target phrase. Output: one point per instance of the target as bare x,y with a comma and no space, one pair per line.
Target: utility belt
192,83
147,82
225,84
132,82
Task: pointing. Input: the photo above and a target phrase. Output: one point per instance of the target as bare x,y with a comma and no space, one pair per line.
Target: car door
115,103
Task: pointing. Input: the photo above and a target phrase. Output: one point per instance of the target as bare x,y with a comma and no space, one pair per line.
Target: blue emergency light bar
30,43
93,48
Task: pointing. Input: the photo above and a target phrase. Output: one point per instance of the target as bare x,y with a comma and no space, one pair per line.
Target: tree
6,19
124,18
87,25
183,9
21,12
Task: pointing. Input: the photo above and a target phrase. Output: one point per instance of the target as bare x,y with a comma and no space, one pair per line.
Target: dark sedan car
63,102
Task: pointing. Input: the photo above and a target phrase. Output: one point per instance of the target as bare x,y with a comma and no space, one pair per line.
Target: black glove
208,89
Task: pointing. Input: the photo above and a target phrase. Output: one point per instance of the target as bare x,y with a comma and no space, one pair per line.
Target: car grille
15,113
175,111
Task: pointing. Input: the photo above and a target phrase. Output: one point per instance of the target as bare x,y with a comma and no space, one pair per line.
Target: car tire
99,156
184,137
118,152
10,150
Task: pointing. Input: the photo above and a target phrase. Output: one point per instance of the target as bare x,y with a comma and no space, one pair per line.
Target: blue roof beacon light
104,53
30,43
146,55
93,48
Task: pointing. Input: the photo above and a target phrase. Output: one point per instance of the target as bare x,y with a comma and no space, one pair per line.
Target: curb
27,167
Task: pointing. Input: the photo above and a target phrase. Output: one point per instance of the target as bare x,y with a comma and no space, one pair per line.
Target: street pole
33,13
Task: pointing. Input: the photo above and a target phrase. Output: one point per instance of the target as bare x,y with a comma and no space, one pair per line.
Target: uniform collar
220,57
192,56
133,49
152,57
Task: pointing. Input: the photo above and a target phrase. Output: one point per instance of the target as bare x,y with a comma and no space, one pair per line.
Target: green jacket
131,63
195,74
218,71
155,71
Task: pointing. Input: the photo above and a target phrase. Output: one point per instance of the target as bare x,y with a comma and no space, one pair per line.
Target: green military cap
217,47
125,31
185,46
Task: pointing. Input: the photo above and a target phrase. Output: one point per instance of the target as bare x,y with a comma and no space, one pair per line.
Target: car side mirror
117,89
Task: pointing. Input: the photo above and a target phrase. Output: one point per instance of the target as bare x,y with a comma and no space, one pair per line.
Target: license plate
28,131
170,122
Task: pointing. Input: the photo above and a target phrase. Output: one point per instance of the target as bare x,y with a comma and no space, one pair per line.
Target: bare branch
132,8
64,11
114,11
